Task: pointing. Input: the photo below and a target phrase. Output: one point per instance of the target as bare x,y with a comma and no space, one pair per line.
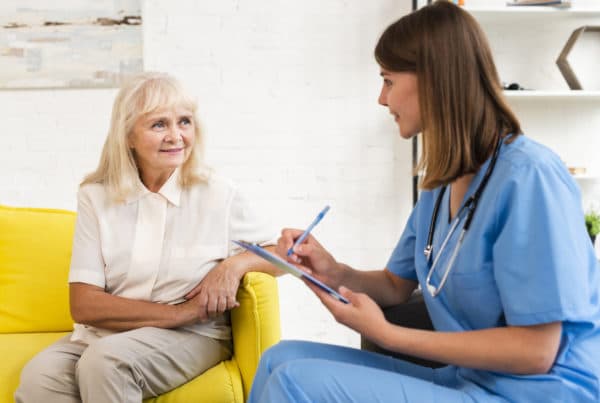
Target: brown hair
463,110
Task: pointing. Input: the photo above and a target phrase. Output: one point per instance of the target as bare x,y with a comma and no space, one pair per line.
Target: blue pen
307,231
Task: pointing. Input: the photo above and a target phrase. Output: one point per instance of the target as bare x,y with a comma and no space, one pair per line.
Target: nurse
497,242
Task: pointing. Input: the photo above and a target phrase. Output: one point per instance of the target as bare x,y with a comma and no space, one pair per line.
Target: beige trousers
123,367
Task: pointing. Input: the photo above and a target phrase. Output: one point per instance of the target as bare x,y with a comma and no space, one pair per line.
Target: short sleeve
402,261
248,226
87,264
543,259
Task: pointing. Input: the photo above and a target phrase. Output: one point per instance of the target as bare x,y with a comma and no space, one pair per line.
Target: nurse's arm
383,286
514,349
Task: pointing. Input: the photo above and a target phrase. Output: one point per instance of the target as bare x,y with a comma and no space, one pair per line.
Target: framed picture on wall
69,43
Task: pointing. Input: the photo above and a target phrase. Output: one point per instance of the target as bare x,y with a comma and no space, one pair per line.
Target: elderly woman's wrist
183,314
236,266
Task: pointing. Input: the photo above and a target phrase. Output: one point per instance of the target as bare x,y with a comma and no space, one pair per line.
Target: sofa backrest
35,252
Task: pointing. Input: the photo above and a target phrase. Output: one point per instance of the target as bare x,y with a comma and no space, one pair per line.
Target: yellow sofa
35,249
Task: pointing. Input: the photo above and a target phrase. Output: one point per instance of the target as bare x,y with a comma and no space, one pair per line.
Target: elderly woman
153,273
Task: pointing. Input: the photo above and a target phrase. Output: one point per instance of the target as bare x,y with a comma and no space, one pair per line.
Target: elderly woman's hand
217,290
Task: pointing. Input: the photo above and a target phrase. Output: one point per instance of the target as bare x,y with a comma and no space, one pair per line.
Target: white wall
288,100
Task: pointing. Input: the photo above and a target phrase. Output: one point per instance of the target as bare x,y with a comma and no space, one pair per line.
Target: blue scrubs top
527,259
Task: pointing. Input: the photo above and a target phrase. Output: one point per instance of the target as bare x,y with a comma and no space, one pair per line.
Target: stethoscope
470,206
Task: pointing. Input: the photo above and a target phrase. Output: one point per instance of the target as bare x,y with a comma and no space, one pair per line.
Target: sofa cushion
220,384
35,252
16,350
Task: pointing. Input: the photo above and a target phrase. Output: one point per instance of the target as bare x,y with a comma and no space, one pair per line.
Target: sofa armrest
255,323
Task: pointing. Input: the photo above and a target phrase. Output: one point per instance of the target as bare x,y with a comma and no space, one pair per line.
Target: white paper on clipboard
294,271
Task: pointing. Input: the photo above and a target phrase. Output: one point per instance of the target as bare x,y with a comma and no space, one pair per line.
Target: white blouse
158,246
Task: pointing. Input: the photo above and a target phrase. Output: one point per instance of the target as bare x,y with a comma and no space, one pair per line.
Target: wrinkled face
162,141
401,95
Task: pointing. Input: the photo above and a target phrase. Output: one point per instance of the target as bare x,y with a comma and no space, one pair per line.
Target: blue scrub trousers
297,371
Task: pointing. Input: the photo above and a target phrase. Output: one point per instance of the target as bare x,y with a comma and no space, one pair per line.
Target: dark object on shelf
512,87
410,314
563,59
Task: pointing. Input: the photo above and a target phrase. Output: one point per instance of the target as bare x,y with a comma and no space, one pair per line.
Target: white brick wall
288,101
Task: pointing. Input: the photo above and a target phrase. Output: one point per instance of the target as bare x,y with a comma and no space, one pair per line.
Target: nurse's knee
284,346
286,350
293,374
277,354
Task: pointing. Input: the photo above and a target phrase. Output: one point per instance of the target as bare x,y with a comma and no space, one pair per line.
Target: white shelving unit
526,41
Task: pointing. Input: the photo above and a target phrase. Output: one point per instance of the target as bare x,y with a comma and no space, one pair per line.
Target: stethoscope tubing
471,204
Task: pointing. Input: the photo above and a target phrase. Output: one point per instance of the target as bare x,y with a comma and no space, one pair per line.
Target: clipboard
287,267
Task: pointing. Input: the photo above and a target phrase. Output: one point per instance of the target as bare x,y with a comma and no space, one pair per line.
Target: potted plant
592,224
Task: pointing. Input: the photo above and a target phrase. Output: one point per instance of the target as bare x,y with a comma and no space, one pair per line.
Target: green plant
592,223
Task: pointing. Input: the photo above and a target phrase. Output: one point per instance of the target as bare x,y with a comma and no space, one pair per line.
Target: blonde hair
143,94
463,109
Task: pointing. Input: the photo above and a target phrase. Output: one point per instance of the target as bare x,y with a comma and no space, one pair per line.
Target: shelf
554,95
586,180
531,11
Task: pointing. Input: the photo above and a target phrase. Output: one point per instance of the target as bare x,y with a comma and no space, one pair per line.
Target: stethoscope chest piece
433,291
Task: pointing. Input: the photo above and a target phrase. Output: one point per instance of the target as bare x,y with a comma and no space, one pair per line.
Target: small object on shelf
513,87
577,170
582,175
563,59
553,3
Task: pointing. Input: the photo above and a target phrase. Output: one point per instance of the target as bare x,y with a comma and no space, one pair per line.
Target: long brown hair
463,110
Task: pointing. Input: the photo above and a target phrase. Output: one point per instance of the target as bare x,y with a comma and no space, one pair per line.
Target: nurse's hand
362,314
310,256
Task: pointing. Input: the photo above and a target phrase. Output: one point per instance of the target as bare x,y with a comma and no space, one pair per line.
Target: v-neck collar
477,178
